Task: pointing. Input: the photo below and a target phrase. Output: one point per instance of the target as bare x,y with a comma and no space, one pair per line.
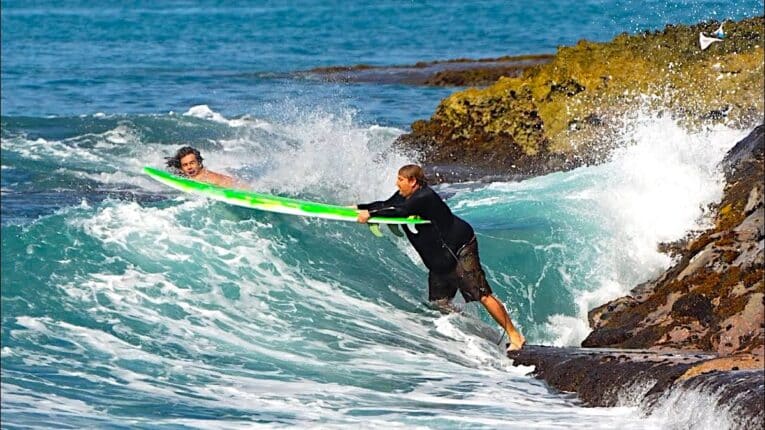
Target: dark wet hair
174,162
414,171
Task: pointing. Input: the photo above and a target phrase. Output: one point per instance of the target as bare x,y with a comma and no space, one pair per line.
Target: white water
317,324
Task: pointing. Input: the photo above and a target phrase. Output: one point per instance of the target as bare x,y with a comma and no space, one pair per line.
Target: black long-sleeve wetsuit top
431,240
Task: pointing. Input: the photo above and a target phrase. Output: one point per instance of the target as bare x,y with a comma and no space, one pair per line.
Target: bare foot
516,341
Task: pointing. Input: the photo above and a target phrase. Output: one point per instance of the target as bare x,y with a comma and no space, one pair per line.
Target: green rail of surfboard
270,203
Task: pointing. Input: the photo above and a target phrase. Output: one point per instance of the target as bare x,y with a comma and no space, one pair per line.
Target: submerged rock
460,72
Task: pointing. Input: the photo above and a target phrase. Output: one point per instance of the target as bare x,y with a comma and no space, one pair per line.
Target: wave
571,241
198,309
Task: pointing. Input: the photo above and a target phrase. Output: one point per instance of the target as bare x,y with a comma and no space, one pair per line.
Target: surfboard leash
501,336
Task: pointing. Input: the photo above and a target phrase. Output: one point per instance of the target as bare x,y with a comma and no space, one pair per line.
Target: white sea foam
168,317
691,409
104,162
18,399
331,155
204,112
567,330
40,148
120,135
320,154
655,189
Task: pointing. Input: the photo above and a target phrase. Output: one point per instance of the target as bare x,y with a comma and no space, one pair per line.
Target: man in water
447,246
188,162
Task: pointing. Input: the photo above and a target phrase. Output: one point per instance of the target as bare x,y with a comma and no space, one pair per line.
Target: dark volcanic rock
599,376
695,306
607,336
745,150
461,72
618,377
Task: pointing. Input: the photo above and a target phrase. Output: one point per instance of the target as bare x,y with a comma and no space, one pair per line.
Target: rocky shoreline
536,114
713,298
698,326
701,324
564,113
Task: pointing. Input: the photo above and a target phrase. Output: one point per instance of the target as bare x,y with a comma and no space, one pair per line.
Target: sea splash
564,243
656,188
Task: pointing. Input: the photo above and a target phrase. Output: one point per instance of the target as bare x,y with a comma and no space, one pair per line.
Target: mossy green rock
563,114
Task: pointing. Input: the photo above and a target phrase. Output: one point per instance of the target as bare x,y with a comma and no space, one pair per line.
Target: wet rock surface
619,377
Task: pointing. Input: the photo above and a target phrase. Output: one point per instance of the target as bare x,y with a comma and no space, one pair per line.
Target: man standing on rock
447,246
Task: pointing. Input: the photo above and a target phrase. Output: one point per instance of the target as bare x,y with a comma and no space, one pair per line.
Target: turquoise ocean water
127,305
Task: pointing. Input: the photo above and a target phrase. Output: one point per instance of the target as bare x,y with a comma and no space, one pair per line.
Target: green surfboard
271,203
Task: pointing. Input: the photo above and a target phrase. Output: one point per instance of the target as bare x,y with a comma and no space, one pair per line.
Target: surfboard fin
394,228
411,228
375,229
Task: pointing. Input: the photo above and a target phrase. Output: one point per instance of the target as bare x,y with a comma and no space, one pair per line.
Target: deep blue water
127,305
71,58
